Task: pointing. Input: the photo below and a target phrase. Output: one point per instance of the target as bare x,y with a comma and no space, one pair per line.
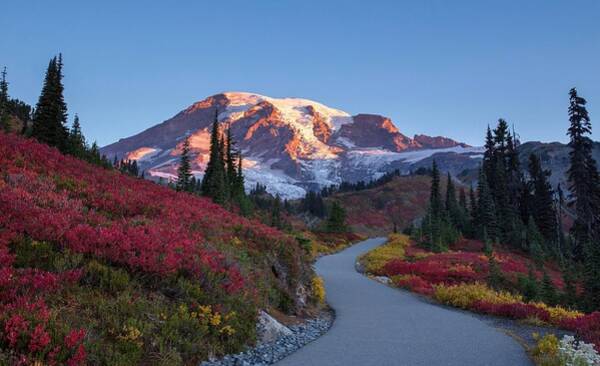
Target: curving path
379,325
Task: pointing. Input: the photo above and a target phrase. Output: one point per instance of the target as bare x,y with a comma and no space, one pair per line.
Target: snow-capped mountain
289,144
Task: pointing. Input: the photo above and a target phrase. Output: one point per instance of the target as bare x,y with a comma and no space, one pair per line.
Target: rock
382,279
270,329
285,343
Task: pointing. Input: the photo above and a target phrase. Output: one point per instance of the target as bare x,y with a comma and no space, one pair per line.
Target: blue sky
435,67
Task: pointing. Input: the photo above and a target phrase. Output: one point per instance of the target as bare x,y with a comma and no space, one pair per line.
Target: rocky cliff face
289,144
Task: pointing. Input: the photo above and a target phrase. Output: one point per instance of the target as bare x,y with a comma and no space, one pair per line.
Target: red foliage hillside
123,221
374,211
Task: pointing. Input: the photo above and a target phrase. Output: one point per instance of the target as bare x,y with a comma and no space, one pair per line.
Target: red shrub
587,327
511,310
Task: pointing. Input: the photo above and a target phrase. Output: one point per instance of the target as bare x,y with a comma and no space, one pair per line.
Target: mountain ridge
289,144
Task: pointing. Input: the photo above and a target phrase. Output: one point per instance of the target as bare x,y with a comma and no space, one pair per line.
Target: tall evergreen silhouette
542,199
49,121
213,182
486,210
77,145
4,113
584,184
184,172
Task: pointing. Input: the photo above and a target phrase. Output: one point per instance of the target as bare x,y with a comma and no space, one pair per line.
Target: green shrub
107,278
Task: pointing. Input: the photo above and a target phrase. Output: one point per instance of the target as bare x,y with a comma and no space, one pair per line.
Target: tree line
47,122
223,179
518,207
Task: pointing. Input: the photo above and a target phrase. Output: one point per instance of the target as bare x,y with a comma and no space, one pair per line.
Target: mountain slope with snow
288,144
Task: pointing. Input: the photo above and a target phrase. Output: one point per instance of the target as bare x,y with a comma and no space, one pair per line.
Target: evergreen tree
472,204
230,161
570,288
495,278
77,144
535,241
337,219
435,200
184,172
486,210
543,200
561,240
547,290
213,182
531,290
584,181
51,110
462,199
276,220
489,158
4,99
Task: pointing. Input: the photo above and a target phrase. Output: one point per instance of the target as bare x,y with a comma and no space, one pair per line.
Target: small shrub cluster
375,260
549,351
318,289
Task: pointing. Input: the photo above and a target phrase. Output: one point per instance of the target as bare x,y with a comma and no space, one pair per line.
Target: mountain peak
289,144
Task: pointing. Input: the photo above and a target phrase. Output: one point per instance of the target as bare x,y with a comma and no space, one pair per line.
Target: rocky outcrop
371,130
269,329
437,142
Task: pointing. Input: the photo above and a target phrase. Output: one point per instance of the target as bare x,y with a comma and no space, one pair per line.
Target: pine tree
489,158
4,99
472,204
77,144
535,241
547,290
230,168
570,297
213,182
337,218
184,172
495,278
462,199
486,210
584,181
276,220
531,290
51,111
435,200
543,200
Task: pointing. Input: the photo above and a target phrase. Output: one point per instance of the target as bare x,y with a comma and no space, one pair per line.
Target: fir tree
495,278
489,158
4,99
535,241
337,219
213,182
51,111
472,204
547,290
542,199
77,144
435,200
462,199
570,289
230,168
184,172
486,210
584,181
531,289
276,220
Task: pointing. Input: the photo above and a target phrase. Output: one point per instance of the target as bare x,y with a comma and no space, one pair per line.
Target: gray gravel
269,353
379,325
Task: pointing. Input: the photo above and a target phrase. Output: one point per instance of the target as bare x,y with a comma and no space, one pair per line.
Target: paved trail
379,325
